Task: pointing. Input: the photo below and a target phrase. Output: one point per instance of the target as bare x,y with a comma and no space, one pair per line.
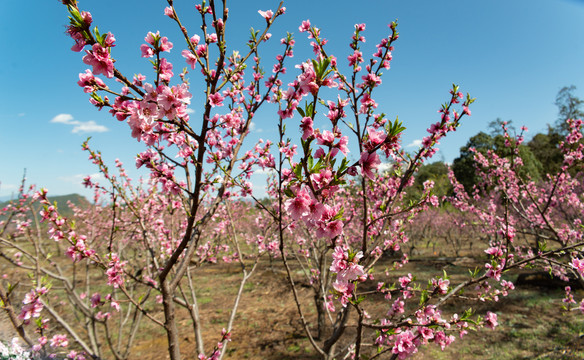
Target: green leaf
298,171
309,109
97,36
76,15
339,215
445,275
467,314
395,127
424,297
344,165
316,67
318,166
39,322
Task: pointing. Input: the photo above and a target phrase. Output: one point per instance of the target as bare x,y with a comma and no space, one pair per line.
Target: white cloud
63,119
190,111
78,126
266,171
259,190
8,186
7,189
253,127
415,143
88,126
385,167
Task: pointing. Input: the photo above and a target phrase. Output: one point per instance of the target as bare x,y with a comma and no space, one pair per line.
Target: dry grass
267,327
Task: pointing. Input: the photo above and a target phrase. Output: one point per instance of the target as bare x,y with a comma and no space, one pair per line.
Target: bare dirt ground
531,322
7,332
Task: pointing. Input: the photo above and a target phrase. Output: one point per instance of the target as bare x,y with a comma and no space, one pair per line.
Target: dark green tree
464,166
545,147
541,155
496,127
437,172
569,107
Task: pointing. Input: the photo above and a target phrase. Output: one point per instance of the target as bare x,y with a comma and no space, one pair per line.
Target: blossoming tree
332,217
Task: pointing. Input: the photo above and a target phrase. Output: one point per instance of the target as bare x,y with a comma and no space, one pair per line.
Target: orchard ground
143,246
531,324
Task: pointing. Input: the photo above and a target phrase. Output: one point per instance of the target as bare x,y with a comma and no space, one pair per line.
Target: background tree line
540,155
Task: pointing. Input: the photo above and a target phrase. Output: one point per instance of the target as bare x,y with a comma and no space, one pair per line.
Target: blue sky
513,56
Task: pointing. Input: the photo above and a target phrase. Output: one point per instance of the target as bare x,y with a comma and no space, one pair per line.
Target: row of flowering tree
530,223
98,275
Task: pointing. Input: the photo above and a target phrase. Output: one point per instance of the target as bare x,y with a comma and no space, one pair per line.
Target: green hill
62,201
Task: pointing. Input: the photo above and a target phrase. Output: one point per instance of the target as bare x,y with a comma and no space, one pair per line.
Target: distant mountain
79,200
62,201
